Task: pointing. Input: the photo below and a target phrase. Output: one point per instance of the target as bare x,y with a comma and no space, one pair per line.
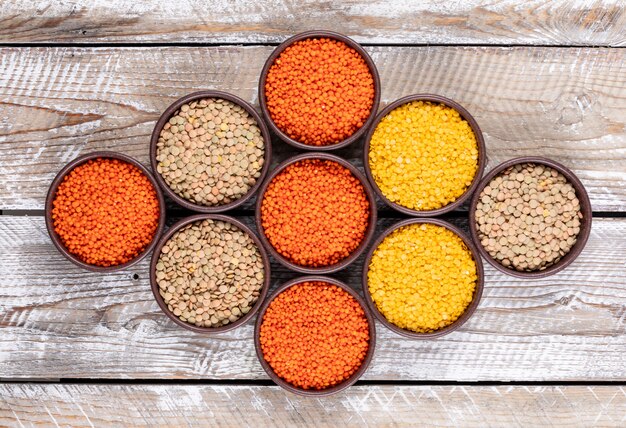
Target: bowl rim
313,34
585,209
166,237
342,385
169,112
469,311
51,196
480,142
369,232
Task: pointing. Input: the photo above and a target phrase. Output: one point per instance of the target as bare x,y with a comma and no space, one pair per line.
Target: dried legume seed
199,158
319,91
422,277
423,155
203,287
315,212
105,212
314,335
547,226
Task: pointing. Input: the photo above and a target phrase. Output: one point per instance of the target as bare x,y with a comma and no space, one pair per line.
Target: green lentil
547,222
203,156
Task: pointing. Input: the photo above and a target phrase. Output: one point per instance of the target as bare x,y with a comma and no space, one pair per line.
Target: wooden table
541,78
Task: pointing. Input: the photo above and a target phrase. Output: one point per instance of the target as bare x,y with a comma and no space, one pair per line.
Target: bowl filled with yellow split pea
423,278
424,155
319,90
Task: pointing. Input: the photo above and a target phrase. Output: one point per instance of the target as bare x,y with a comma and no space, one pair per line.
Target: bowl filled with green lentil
315,213
319,90
210,151
104,211
424,155
530,217
315,336
423,278
209,273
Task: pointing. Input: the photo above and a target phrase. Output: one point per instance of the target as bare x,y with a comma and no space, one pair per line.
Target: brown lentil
210,152
528,217
210,273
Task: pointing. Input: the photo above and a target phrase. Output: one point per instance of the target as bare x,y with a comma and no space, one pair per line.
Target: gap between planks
61,322
565,104
388,405
504,22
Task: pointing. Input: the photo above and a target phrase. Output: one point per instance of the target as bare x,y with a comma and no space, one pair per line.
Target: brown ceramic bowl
169,112
157,253
480,141
317,34
314,392
368,233
469,311
585,208
52,195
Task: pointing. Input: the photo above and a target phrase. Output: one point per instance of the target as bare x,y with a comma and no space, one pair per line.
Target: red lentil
319,91
314,335
315,212
106,212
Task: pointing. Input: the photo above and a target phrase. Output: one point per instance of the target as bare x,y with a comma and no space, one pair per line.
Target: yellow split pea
423,155
422,277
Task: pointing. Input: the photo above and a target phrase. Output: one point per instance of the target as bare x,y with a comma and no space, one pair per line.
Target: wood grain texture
27,405
57,321
57,103
544,22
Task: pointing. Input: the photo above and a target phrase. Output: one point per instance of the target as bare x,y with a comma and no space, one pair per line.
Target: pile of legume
315,212
210,273
210,152
528,217
423,155
319,91
106,212
314,335
422,277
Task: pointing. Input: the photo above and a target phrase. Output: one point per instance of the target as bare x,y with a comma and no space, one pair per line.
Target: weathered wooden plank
542,22
226,406
56,103
57,321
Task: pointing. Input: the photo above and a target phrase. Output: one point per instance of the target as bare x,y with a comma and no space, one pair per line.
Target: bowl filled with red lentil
104,211
315,213
424,155
530,217
315,336
210,151
209,273
319,90
423,278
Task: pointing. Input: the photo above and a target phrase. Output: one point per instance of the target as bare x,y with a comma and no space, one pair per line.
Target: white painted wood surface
27,405
58,321
568,104
539,22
